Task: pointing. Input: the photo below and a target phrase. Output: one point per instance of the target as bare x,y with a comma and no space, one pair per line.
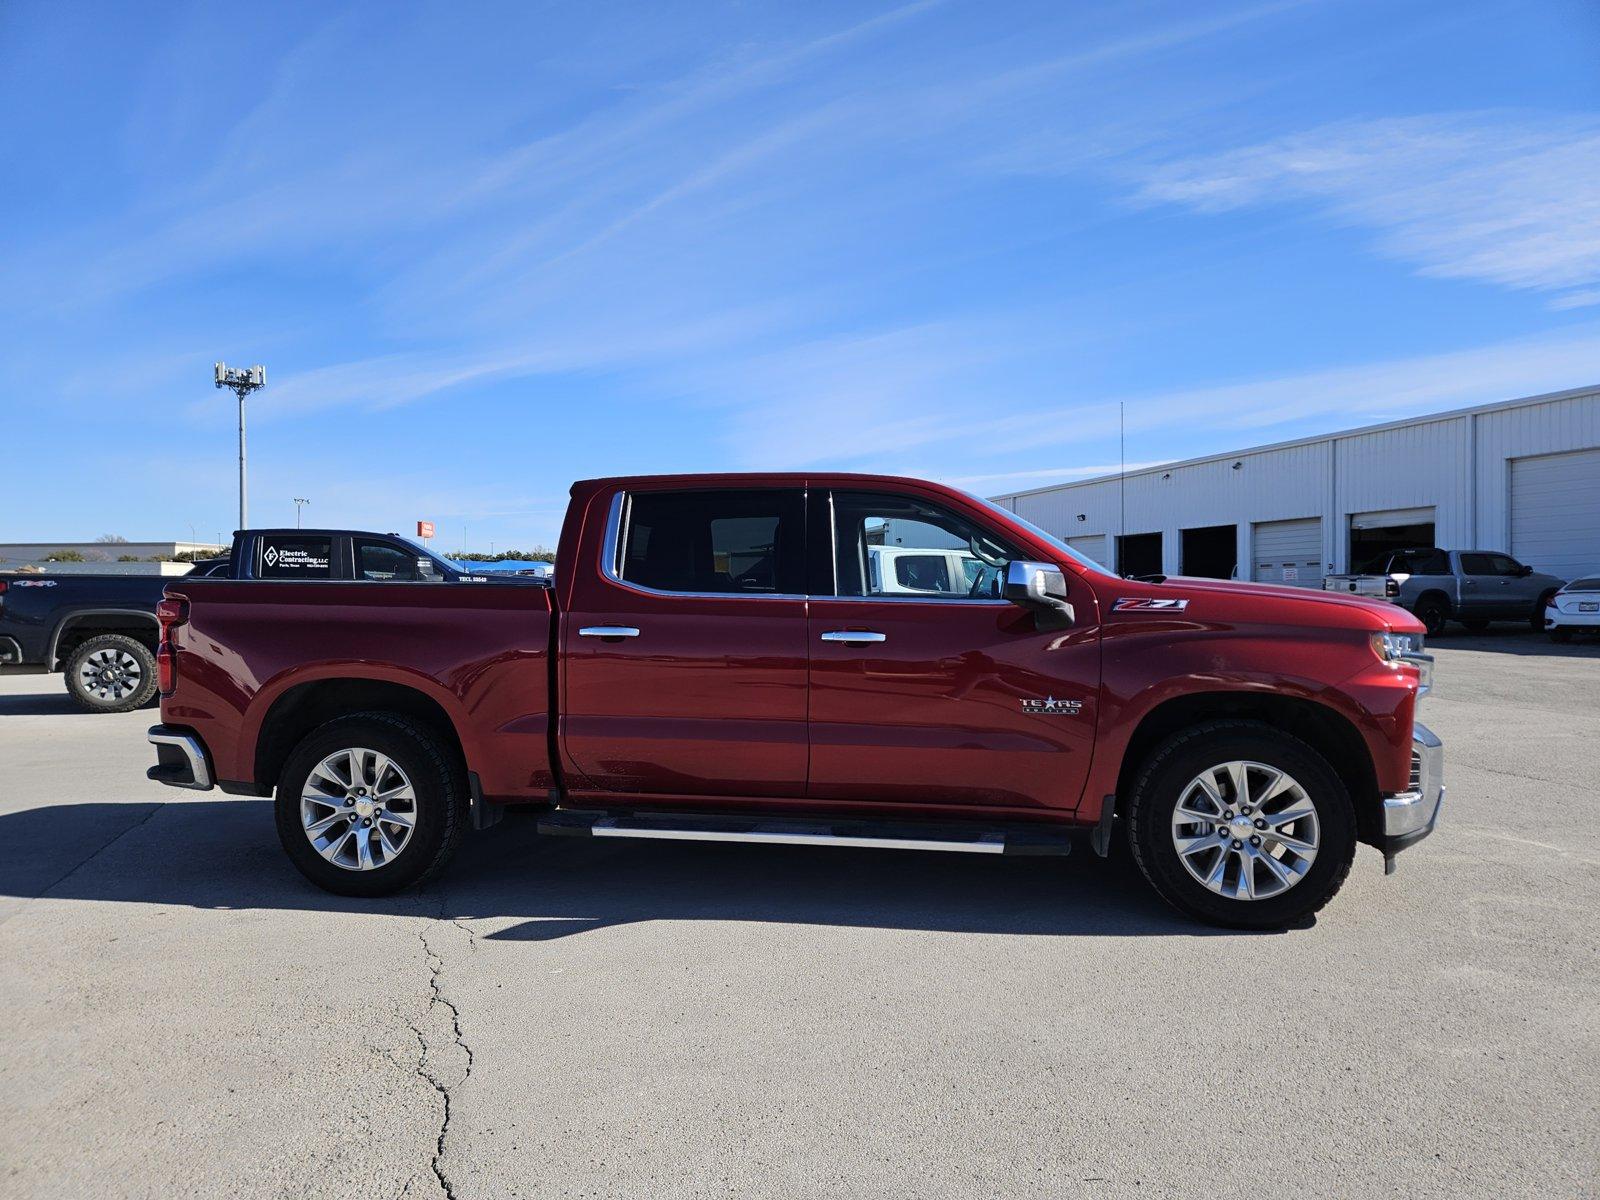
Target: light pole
243,381
299,503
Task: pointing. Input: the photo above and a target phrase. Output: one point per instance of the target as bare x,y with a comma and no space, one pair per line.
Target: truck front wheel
369,804
111,673
1239,824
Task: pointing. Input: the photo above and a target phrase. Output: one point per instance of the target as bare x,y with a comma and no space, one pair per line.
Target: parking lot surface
185,1016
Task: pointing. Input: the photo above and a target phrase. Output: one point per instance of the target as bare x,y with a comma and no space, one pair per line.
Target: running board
876,835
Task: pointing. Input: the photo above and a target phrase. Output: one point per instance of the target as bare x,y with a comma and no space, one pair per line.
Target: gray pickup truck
1470,586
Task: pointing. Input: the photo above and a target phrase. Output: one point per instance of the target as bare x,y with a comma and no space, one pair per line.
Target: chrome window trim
611,559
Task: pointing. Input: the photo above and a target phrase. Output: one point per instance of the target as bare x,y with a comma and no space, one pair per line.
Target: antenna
1122,481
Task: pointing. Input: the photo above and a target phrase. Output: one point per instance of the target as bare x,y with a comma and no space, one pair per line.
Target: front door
926,690
684,668
1491,586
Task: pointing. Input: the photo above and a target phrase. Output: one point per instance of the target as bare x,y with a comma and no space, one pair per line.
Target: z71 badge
1135,604
1052,707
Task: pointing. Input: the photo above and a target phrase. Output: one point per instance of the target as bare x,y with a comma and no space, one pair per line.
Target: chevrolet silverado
716,659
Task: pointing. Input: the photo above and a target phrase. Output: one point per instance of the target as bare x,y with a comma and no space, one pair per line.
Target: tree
129,558
65,556
111,539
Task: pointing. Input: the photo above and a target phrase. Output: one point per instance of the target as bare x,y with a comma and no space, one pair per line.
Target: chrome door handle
608,631
854,637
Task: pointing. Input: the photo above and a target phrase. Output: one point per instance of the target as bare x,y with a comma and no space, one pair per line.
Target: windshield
1589,583
1055,543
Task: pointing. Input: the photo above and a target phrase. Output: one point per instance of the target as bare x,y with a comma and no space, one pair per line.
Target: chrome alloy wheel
358,809
110,674
1245,830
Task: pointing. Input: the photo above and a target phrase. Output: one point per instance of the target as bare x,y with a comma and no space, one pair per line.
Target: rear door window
294,556
923,573
738,541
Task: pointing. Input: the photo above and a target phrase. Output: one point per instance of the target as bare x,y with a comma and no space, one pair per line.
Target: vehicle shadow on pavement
1526,645
560,887
46,704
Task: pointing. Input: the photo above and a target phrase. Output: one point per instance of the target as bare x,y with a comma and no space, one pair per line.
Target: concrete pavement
185,1016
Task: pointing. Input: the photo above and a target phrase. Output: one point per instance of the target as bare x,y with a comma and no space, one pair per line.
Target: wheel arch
78,627
1333,735
305,706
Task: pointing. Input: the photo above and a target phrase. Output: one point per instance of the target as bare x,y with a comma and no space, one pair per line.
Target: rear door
917,696
684,647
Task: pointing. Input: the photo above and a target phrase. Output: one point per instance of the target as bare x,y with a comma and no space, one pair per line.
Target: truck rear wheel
1433,613
111,673
370,804
1239,824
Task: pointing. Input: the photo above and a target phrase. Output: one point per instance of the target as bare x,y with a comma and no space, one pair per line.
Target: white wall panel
1457,464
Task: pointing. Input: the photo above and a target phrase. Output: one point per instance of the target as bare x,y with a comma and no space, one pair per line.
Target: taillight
170,613
1391,587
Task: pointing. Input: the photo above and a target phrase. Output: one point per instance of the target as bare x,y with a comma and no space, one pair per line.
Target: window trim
616,530
611,543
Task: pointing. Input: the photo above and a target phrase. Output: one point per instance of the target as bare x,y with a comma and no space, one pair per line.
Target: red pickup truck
769,658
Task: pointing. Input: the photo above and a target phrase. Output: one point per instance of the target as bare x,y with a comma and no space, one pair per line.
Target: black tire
1536,617
1433,613
1160,784
436,780
1476,626
115,684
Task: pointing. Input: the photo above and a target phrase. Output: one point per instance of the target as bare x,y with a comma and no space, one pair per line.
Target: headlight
1398,649
1394,646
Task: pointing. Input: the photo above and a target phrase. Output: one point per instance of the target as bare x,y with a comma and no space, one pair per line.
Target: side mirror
1524,571
1040,587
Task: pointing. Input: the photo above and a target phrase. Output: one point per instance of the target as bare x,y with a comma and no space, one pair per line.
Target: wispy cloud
1314,401
1508,199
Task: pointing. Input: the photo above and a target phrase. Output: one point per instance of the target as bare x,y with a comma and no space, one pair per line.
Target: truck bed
482,655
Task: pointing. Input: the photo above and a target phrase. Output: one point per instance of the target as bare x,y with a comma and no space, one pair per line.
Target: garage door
1555,512
1288,552
1091,546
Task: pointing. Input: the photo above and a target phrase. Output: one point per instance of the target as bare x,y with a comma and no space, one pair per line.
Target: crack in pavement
426,1056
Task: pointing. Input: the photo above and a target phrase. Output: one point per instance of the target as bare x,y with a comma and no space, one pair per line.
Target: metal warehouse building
1521,476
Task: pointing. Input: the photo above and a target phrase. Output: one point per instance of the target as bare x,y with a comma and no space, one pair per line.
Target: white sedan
1574,607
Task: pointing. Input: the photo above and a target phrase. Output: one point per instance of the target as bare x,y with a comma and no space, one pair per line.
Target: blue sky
485,249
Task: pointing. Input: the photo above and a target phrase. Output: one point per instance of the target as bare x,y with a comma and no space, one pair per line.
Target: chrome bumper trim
197,775
1412,813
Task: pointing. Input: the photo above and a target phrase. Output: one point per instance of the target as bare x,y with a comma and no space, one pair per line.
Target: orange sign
424,529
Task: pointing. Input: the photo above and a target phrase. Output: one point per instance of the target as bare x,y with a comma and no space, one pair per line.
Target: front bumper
1410,816
180,759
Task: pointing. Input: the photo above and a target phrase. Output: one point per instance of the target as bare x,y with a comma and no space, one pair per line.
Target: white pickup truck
922,571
